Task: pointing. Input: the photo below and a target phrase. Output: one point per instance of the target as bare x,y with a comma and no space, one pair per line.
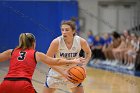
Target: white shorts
55,80
132,53
52,82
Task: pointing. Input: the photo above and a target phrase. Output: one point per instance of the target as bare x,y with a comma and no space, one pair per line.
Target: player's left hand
80,61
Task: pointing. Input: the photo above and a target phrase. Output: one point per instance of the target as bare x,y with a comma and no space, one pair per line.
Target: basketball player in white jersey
67,46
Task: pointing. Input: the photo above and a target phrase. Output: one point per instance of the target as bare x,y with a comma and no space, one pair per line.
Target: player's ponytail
26,40
73,19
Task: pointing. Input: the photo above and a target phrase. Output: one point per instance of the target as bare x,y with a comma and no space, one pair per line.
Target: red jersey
22,63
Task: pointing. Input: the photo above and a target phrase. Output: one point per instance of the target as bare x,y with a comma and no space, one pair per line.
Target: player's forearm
64,61
5,55
54,61
88,57
2,57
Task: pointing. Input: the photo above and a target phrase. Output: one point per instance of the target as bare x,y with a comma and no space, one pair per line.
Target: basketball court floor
97,81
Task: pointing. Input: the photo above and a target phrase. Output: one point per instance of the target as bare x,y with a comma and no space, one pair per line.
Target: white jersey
64,52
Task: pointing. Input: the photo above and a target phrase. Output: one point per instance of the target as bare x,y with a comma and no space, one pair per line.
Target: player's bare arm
53,48
5,55
55,61
86,49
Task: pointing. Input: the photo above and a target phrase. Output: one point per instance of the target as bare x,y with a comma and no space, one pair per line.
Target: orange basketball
78,74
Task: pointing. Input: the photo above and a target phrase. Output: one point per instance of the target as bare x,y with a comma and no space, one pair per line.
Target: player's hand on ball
67,76
79,61
77,74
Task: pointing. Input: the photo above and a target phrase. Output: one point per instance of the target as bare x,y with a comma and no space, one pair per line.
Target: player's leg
77,89
49,85
48,90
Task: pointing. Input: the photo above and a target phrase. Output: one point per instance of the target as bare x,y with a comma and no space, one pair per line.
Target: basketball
78,74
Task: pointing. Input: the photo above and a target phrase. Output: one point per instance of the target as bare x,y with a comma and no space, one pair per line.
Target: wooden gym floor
97,81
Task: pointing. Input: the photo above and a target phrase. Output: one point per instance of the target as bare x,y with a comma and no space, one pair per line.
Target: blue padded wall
42,18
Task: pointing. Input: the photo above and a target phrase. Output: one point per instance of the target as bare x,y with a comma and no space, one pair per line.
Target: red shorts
16,87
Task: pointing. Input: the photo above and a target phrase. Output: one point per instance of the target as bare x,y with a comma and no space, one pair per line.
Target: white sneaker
115,62
109,62
106,62
123,66
130,67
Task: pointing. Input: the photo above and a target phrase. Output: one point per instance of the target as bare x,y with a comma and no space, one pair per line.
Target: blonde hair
26,40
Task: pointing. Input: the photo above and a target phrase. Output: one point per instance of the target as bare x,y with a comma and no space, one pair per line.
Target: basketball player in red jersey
22,65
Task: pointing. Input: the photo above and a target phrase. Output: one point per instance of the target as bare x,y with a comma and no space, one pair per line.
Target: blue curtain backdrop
42,18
